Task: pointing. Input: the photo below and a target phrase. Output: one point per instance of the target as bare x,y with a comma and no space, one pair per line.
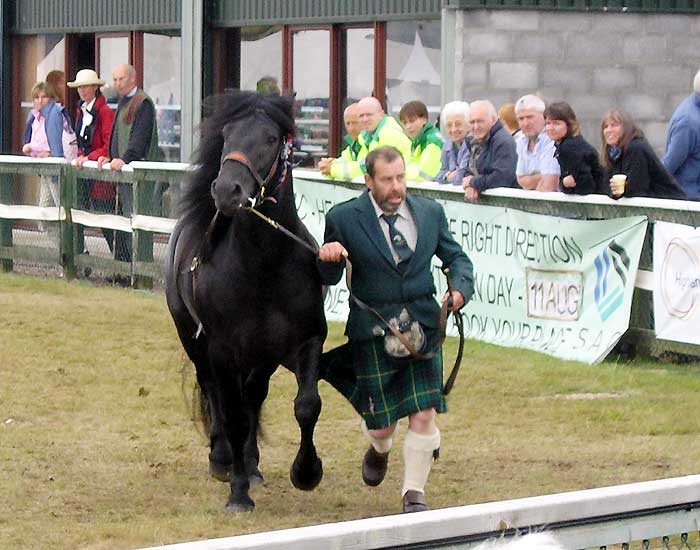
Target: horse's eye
271,140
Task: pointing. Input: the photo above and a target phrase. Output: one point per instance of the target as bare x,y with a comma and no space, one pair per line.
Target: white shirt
404,223
538,161
87,117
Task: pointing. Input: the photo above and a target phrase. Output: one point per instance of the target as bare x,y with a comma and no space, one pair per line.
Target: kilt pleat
383,389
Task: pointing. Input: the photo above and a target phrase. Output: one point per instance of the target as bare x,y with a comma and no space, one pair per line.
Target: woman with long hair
632,169
581,172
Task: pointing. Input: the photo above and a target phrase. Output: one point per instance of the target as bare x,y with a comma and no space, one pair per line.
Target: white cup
617,184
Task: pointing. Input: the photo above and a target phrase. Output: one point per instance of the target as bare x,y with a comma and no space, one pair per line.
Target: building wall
644,63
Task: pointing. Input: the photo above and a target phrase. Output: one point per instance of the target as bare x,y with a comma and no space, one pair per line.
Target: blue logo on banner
610,283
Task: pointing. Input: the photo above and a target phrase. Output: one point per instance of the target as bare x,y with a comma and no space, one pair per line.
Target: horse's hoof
306,479
221,472
256,479
240,505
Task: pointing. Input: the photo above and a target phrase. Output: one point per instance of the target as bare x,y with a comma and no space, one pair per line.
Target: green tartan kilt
381,388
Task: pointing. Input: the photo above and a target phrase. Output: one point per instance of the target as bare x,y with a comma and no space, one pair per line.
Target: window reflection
114,50
162,82
311,83
261,55
413,64
360,64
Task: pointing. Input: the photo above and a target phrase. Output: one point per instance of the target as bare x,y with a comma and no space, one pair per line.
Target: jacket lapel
370,225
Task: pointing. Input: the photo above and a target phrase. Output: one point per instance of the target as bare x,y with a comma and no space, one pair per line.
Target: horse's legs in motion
220,455
230,385
307,469
255,393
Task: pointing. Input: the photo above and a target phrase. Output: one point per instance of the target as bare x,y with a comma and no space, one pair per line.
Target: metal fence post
67,181
6,226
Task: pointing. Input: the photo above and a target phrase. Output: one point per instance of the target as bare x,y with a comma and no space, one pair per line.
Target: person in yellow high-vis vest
426,142
378,130
346,166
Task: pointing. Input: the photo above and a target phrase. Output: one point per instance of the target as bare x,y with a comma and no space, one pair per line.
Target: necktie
398,241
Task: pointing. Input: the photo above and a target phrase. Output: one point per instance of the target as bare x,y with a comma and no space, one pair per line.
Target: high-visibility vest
426,150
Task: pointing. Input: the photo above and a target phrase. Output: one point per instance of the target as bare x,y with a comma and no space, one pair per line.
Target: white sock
418,459
380,445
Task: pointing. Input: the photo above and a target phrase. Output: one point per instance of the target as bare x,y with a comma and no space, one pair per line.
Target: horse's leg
307,469
230,388
255,392
219,448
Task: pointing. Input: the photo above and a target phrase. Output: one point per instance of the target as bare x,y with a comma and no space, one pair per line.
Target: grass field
98,451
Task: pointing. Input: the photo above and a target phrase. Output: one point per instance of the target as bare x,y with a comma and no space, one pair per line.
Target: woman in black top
626,151
581,172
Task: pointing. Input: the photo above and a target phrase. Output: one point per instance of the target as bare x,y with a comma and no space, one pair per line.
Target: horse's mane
196,203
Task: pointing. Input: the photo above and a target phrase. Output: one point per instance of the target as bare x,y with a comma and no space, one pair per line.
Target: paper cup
617,183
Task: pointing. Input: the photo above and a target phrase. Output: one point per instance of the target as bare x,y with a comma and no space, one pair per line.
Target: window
413,64
111,51
311,82
261,55
162,82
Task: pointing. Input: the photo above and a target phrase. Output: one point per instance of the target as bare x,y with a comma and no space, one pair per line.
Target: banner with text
558,286
677,282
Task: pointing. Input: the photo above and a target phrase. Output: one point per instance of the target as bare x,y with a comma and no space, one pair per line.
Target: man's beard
390,208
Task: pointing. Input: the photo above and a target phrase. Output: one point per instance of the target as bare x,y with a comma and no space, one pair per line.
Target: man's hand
471,194
467,182
451,176
324,165
101,162
80,161
117,164
332,252
569,181
457,299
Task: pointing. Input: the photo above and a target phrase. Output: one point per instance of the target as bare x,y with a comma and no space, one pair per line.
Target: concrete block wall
644,63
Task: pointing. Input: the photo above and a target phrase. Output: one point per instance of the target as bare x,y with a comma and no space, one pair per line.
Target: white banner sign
559,286
677,282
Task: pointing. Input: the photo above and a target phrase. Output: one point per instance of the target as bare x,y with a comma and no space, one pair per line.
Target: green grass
98,450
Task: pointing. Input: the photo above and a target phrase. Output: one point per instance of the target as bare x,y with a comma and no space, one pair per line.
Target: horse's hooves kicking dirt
246,505
306,479
222,472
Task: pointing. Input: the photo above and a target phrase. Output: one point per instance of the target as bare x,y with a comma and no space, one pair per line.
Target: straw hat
86,77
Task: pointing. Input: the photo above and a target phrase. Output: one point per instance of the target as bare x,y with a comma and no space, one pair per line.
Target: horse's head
253,153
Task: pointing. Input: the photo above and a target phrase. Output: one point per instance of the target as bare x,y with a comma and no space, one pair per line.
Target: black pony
245,297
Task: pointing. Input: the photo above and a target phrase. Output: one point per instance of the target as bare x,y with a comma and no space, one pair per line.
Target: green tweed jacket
375,278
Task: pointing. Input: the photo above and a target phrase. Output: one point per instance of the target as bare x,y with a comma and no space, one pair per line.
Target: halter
283,155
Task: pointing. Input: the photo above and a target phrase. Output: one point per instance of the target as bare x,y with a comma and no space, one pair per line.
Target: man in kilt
390,238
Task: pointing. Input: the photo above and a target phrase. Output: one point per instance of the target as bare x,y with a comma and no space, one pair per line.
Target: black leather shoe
414,501
374,467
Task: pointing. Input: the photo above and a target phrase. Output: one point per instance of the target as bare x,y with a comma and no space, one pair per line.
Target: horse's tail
195,401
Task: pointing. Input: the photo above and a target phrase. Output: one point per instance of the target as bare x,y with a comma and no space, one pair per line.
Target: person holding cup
631,167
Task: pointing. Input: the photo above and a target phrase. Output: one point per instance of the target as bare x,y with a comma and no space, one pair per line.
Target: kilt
381,388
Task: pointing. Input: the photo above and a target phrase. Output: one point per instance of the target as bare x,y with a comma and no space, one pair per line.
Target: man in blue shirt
682,158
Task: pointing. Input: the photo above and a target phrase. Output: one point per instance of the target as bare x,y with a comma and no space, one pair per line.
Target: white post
191,72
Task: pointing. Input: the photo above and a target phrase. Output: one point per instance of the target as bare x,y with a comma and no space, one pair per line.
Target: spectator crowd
527,145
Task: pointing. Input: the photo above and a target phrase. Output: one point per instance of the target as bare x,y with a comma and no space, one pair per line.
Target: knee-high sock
380,445
418,459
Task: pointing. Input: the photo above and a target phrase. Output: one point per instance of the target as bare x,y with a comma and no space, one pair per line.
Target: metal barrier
661,514
80,248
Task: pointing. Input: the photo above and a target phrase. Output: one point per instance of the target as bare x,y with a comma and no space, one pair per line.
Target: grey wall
644,63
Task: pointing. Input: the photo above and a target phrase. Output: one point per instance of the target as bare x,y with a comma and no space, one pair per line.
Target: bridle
283,154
